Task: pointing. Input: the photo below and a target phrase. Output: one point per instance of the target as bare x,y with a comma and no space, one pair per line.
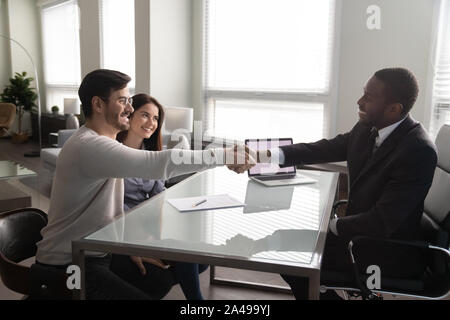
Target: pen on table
199,203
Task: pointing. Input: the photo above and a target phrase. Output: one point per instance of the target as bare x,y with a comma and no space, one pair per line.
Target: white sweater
88,192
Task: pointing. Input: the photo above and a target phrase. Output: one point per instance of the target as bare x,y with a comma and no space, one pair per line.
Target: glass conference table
280,229
12,170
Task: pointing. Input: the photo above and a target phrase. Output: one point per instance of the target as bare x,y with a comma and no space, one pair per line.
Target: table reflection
11,169
278,223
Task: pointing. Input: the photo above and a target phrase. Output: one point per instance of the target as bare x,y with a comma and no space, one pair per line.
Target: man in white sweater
88,191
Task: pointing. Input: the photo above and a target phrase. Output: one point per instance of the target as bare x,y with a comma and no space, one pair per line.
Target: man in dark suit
391,162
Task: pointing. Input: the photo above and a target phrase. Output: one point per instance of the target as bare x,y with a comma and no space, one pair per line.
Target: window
441,87
117,34
61,48
268,68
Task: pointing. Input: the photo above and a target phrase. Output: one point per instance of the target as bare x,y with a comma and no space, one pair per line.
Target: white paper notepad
221,201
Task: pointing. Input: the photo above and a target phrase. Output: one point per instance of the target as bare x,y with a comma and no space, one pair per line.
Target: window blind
61,44
269,45
441,88
61,51
267,59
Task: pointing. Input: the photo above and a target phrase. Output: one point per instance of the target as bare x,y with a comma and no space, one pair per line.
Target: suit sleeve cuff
332,226
277,156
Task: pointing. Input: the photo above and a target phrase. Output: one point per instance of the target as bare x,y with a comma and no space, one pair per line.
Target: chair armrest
415,244
174,180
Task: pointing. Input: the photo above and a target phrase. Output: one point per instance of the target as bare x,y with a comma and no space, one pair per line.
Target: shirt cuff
218,155
332,226
277,156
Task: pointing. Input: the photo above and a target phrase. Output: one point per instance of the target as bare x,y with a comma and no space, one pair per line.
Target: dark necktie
371,143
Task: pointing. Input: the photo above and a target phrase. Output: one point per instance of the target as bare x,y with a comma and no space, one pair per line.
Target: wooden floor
9,151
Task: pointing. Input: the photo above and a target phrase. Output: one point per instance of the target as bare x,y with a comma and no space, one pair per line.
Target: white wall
5,64
170,52
197,59
404,40
142,43
19,20
89,36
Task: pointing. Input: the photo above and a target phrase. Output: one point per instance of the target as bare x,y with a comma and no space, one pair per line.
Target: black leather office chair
434,283
19,233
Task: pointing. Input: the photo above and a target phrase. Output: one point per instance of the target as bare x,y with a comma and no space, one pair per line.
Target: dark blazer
388,188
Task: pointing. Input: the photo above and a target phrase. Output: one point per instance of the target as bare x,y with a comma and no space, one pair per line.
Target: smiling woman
145,124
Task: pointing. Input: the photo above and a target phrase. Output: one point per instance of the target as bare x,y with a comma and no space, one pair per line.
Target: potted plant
55,110
19,93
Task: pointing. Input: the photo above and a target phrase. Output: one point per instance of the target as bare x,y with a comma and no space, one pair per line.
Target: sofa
49,155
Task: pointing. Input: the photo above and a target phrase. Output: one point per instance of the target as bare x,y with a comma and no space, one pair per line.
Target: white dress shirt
277,153
385,132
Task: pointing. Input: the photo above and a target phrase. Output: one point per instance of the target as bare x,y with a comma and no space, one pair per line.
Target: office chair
7,116
19,233
435,226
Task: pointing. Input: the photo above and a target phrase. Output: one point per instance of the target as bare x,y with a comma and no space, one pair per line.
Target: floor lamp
32,153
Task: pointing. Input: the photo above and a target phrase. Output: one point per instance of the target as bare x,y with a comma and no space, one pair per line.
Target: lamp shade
178,118
71,106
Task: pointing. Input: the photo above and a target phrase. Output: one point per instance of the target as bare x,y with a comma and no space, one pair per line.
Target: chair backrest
437,202
19,233
20,230
7,114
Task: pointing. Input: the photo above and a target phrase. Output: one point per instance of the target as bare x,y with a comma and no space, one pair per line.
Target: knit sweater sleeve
102,157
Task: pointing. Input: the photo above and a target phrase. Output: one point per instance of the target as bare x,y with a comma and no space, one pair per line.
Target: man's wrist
276,156
263,156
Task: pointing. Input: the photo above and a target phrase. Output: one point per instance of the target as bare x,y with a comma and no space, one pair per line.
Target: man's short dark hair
401,86
100,83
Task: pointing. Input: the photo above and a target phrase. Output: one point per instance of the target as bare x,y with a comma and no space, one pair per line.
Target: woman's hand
139,261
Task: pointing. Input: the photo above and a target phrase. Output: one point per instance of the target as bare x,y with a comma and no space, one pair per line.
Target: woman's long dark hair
154,143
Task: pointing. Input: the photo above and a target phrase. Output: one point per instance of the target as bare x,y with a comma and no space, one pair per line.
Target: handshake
241,158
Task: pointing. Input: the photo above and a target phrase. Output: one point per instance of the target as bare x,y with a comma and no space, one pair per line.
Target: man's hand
240,158
263,156
139,261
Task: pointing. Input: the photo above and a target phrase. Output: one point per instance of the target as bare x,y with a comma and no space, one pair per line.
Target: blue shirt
138,190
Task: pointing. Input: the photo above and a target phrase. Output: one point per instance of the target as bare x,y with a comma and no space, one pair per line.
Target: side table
12,198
